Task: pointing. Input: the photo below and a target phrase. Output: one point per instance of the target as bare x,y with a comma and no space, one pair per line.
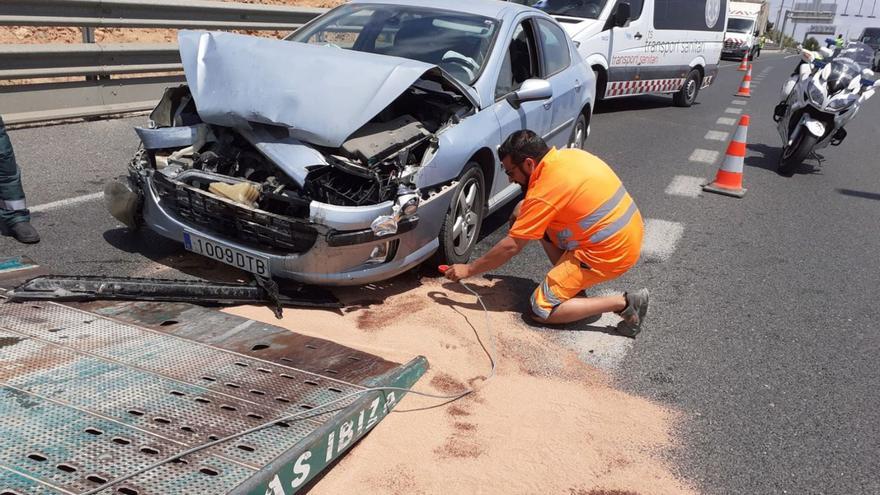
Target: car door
556,66
521,62
629,50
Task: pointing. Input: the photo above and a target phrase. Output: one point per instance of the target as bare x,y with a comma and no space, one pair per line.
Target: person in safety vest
14,216
587,222
839,42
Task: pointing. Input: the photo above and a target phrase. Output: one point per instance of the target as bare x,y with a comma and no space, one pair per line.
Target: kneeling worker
588,224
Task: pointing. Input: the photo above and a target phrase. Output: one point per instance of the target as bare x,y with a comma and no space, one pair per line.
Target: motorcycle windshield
842,74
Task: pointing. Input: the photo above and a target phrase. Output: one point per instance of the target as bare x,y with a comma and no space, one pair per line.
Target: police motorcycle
823,95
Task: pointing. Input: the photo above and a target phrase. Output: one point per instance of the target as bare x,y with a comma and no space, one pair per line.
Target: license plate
229,255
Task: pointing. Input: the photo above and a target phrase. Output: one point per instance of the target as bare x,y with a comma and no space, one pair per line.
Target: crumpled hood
321,93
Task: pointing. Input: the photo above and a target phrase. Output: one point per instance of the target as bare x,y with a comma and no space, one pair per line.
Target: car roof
486,8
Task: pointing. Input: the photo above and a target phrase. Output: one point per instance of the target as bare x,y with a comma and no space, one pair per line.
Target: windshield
735,25
871,37
458,43
588,9
842,74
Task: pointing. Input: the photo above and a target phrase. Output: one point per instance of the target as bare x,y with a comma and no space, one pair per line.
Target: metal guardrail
192,14
100,93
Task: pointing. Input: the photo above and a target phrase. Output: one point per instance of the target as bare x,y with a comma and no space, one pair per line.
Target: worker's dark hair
521,145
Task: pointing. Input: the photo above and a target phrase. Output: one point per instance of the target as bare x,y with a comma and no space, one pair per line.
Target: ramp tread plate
51,442
180,413
67,371
12,483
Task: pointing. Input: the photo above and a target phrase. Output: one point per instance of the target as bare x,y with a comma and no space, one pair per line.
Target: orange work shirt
581,205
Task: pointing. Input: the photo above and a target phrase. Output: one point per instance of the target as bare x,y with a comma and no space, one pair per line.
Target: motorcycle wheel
795,154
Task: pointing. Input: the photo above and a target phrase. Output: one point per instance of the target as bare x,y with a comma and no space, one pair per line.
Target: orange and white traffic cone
745,89
745,64
729,180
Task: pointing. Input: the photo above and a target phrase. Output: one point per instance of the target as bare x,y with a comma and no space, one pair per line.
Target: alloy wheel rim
578,141
464,230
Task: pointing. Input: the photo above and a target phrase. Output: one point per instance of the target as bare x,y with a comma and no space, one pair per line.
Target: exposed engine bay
375,164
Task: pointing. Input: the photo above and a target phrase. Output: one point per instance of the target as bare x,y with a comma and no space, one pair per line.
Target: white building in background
850,17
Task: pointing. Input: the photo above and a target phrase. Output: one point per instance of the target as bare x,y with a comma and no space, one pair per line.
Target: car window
554,47
459,43
341,31
520,61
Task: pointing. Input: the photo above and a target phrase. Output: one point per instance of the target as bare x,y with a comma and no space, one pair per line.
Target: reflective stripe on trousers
13,204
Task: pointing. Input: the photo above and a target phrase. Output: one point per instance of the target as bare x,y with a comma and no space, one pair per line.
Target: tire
456,245
687,95
794,155
579,132
601,84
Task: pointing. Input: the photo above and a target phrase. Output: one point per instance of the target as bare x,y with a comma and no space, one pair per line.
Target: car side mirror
623,14
876,84
531,90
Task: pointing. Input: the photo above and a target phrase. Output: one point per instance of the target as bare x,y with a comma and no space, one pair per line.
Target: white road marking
717,135
54,205
725,121
661,239
739,102
736,111
704,156
599,345
685,185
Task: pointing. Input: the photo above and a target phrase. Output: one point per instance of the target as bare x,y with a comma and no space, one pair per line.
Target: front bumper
735,53
339,252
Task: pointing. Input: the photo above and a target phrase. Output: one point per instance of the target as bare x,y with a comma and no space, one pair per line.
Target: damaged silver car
359,147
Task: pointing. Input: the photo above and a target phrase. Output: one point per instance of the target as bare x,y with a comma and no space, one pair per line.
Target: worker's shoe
634,313
24,232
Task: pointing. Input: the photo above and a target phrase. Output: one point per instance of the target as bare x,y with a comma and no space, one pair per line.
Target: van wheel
461,227
601,84
687,95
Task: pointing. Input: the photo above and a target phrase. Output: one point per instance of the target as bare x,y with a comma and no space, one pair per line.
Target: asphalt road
762,327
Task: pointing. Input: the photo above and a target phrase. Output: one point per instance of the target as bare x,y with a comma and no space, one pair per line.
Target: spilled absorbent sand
545,424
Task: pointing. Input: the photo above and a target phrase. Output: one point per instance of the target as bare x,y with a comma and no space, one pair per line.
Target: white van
745,21
639,47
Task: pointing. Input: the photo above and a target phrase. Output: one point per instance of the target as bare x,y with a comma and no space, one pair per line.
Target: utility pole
777,26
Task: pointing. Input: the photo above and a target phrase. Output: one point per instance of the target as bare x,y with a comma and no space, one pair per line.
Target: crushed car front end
331,205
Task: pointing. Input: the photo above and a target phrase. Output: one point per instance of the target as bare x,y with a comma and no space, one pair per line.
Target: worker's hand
458,272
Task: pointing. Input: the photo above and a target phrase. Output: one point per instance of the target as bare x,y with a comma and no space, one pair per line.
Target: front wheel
687,95
461,227
795,154
579,133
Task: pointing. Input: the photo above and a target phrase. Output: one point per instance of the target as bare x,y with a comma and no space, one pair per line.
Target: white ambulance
639,47
745,22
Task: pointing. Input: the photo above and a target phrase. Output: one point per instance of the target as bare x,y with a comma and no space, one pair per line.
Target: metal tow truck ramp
92,392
